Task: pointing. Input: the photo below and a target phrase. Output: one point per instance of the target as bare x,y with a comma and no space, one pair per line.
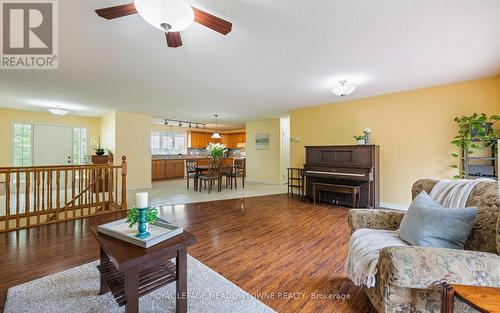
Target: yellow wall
108,131
413,129
7,116
133,140
264,166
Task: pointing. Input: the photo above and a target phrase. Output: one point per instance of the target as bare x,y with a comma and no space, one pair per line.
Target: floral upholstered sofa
408,278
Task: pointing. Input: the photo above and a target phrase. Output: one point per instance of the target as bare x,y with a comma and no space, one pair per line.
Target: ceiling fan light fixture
166,15
343,89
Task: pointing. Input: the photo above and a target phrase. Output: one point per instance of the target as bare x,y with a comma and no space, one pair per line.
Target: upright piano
356,165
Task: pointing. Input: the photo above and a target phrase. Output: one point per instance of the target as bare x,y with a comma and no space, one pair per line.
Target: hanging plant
474,132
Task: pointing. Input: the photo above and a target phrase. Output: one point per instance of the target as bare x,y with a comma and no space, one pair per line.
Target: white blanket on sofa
364,248
454,193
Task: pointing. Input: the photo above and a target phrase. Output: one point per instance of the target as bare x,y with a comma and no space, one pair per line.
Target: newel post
124,183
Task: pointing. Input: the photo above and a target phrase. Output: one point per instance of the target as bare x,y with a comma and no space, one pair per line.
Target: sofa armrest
425,267
374,219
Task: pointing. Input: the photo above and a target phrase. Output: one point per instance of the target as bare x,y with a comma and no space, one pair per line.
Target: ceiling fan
170,16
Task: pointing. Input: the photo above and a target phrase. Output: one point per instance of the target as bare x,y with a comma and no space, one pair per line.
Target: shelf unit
295,181
480,166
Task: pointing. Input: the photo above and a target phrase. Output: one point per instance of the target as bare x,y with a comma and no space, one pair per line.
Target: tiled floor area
171,192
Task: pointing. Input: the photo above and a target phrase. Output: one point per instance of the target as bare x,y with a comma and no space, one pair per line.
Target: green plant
216,150
133,216
474,132
360,137
100,151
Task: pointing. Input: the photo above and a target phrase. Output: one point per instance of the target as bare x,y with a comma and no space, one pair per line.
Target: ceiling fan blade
174,39
117,11
212,21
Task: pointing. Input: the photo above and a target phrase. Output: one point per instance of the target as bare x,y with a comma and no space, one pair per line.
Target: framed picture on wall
262,141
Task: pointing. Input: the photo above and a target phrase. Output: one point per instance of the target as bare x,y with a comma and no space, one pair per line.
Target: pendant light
216,134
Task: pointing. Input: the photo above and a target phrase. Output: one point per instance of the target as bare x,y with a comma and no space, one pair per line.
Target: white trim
394,206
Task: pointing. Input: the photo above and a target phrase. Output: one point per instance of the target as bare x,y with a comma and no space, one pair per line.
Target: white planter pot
360,142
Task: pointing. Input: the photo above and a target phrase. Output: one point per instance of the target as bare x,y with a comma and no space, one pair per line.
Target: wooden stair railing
38,195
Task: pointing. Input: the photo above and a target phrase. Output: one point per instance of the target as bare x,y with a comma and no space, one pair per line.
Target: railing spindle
44,209
73,194
115,173
109,171
18,206
7,201
65,193
58,191
37,196
27,199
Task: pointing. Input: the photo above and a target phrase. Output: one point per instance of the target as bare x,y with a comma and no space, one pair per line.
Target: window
168,143
22,145
80,146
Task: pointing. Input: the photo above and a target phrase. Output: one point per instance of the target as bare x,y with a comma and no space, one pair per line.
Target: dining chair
212,175
239,170
191,166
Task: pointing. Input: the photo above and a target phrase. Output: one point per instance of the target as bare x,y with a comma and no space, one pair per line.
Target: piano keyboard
336,173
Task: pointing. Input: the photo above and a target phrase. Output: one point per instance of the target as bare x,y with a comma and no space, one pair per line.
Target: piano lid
361,156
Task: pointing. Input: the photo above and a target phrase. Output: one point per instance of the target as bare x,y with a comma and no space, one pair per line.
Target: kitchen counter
165,167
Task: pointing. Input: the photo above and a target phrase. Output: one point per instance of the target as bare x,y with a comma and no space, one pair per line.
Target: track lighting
189,124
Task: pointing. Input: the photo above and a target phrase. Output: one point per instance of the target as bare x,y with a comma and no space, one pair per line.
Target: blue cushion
429,224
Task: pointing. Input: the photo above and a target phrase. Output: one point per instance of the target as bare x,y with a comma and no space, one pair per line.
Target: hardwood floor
286,252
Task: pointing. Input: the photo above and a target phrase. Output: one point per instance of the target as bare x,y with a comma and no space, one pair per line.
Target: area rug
76,290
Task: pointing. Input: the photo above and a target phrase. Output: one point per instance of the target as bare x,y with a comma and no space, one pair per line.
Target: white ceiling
281,55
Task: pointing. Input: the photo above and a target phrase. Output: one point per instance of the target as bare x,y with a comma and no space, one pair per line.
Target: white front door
52,145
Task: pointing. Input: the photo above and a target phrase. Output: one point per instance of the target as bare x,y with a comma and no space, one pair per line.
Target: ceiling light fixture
168,16
216,134
343,89
58,112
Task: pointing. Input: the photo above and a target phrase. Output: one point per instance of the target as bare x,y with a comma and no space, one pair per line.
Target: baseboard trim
394,206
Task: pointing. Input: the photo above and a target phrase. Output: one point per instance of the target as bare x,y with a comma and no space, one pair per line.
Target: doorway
52,145
285,147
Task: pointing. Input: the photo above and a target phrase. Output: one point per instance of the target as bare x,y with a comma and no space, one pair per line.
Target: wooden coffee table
130,272
483,299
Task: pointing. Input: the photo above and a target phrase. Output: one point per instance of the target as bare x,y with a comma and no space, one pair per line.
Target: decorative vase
360,141
99,152
367,135
143,229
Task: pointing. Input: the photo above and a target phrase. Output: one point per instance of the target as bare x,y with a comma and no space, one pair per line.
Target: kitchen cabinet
202,139
162,169
234,139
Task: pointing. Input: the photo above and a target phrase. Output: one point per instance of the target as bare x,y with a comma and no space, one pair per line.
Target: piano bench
354,191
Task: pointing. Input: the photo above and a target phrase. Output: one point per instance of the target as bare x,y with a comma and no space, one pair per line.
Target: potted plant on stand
475,132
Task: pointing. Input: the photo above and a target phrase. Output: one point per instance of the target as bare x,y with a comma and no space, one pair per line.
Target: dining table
200,169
